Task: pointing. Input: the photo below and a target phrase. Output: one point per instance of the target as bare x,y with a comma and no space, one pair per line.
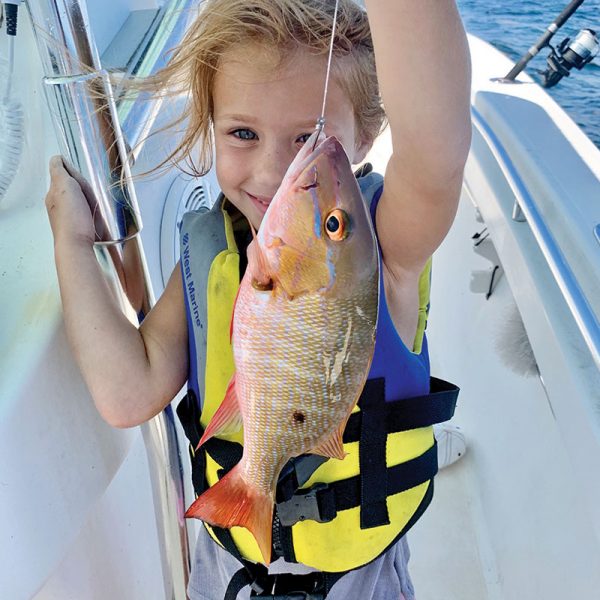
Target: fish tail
232,502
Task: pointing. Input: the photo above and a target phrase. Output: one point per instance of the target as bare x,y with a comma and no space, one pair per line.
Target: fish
303,336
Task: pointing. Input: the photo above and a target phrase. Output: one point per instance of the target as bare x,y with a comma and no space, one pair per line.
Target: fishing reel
568,54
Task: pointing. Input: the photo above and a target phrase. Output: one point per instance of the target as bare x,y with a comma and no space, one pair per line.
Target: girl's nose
275,159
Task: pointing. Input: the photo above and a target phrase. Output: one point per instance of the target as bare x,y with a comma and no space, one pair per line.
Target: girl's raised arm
424,75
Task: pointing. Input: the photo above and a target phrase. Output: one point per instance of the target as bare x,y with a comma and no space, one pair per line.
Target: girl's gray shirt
386,578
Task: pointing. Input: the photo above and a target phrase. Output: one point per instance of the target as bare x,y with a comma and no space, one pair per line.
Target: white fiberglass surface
571,376
57,456
115,553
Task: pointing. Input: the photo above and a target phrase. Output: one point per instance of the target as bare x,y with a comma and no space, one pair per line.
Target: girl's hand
68,204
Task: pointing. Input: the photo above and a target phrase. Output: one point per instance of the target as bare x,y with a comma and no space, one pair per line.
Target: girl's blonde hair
281,26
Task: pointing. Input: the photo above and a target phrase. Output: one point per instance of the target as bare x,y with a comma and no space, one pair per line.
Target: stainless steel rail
80,97
580,308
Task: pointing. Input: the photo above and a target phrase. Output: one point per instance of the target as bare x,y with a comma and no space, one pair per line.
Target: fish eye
337,225
333,224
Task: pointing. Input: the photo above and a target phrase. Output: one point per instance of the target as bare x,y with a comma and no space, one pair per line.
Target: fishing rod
568,54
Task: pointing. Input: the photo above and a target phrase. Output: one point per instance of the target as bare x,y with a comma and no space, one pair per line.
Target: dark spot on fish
298,416
310,186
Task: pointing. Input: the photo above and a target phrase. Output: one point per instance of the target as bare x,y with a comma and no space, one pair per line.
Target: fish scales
296,371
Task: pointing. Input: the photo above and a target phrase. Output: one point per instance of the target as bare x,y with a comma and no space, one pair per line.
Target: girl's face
262,116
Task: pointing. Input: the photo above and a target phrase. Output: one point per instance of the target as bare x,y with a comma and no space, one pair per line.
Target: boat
88,511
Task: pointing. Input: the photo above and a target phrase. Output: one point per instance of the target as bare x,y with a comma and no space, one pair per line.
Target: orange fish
303,336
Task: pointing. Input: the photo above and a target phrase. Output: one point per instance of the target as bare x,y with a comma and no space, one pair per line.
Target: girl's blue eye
244,134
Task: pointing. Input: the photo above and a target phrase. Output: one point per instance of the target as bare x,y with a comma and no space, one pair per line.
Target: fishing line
321,120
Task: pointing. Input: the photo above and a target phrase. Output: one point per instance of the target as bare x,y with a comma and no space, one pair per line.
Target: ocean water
513,26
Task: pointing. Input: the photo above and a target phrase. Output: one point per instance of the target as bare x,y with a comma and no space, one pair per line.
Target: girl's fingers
60,167
69,189
73,172
86,188
56,166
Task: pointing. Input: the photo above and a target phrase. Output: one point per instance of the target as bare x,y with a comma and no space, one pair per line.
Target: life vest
331,515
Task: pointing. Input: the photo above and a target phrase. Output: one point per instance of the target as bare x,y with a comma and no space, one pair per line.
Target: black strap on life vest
409,413
373,468
400,415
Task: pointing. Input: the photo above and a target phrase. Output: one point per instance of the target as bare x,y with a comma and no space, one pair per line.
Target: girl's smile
261,202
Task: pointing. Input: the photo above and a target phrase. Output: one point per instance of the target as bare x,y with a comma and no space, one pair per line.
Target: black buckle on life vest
296,472
317,504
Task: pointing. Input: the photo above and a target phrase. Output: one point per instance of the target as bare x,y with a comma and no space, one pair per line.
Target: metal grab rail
89,134
582,312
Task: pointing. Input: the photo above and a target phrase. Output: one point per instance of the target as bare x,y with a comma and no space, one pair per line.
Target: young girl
254,71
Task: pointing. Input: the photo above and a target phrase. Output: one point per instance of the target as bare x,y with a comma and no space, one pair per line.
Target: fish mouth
298,265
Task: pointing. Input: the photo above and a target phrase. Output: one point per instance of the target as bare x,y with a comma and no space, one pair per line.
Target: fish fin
231,502
333,446
227,419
